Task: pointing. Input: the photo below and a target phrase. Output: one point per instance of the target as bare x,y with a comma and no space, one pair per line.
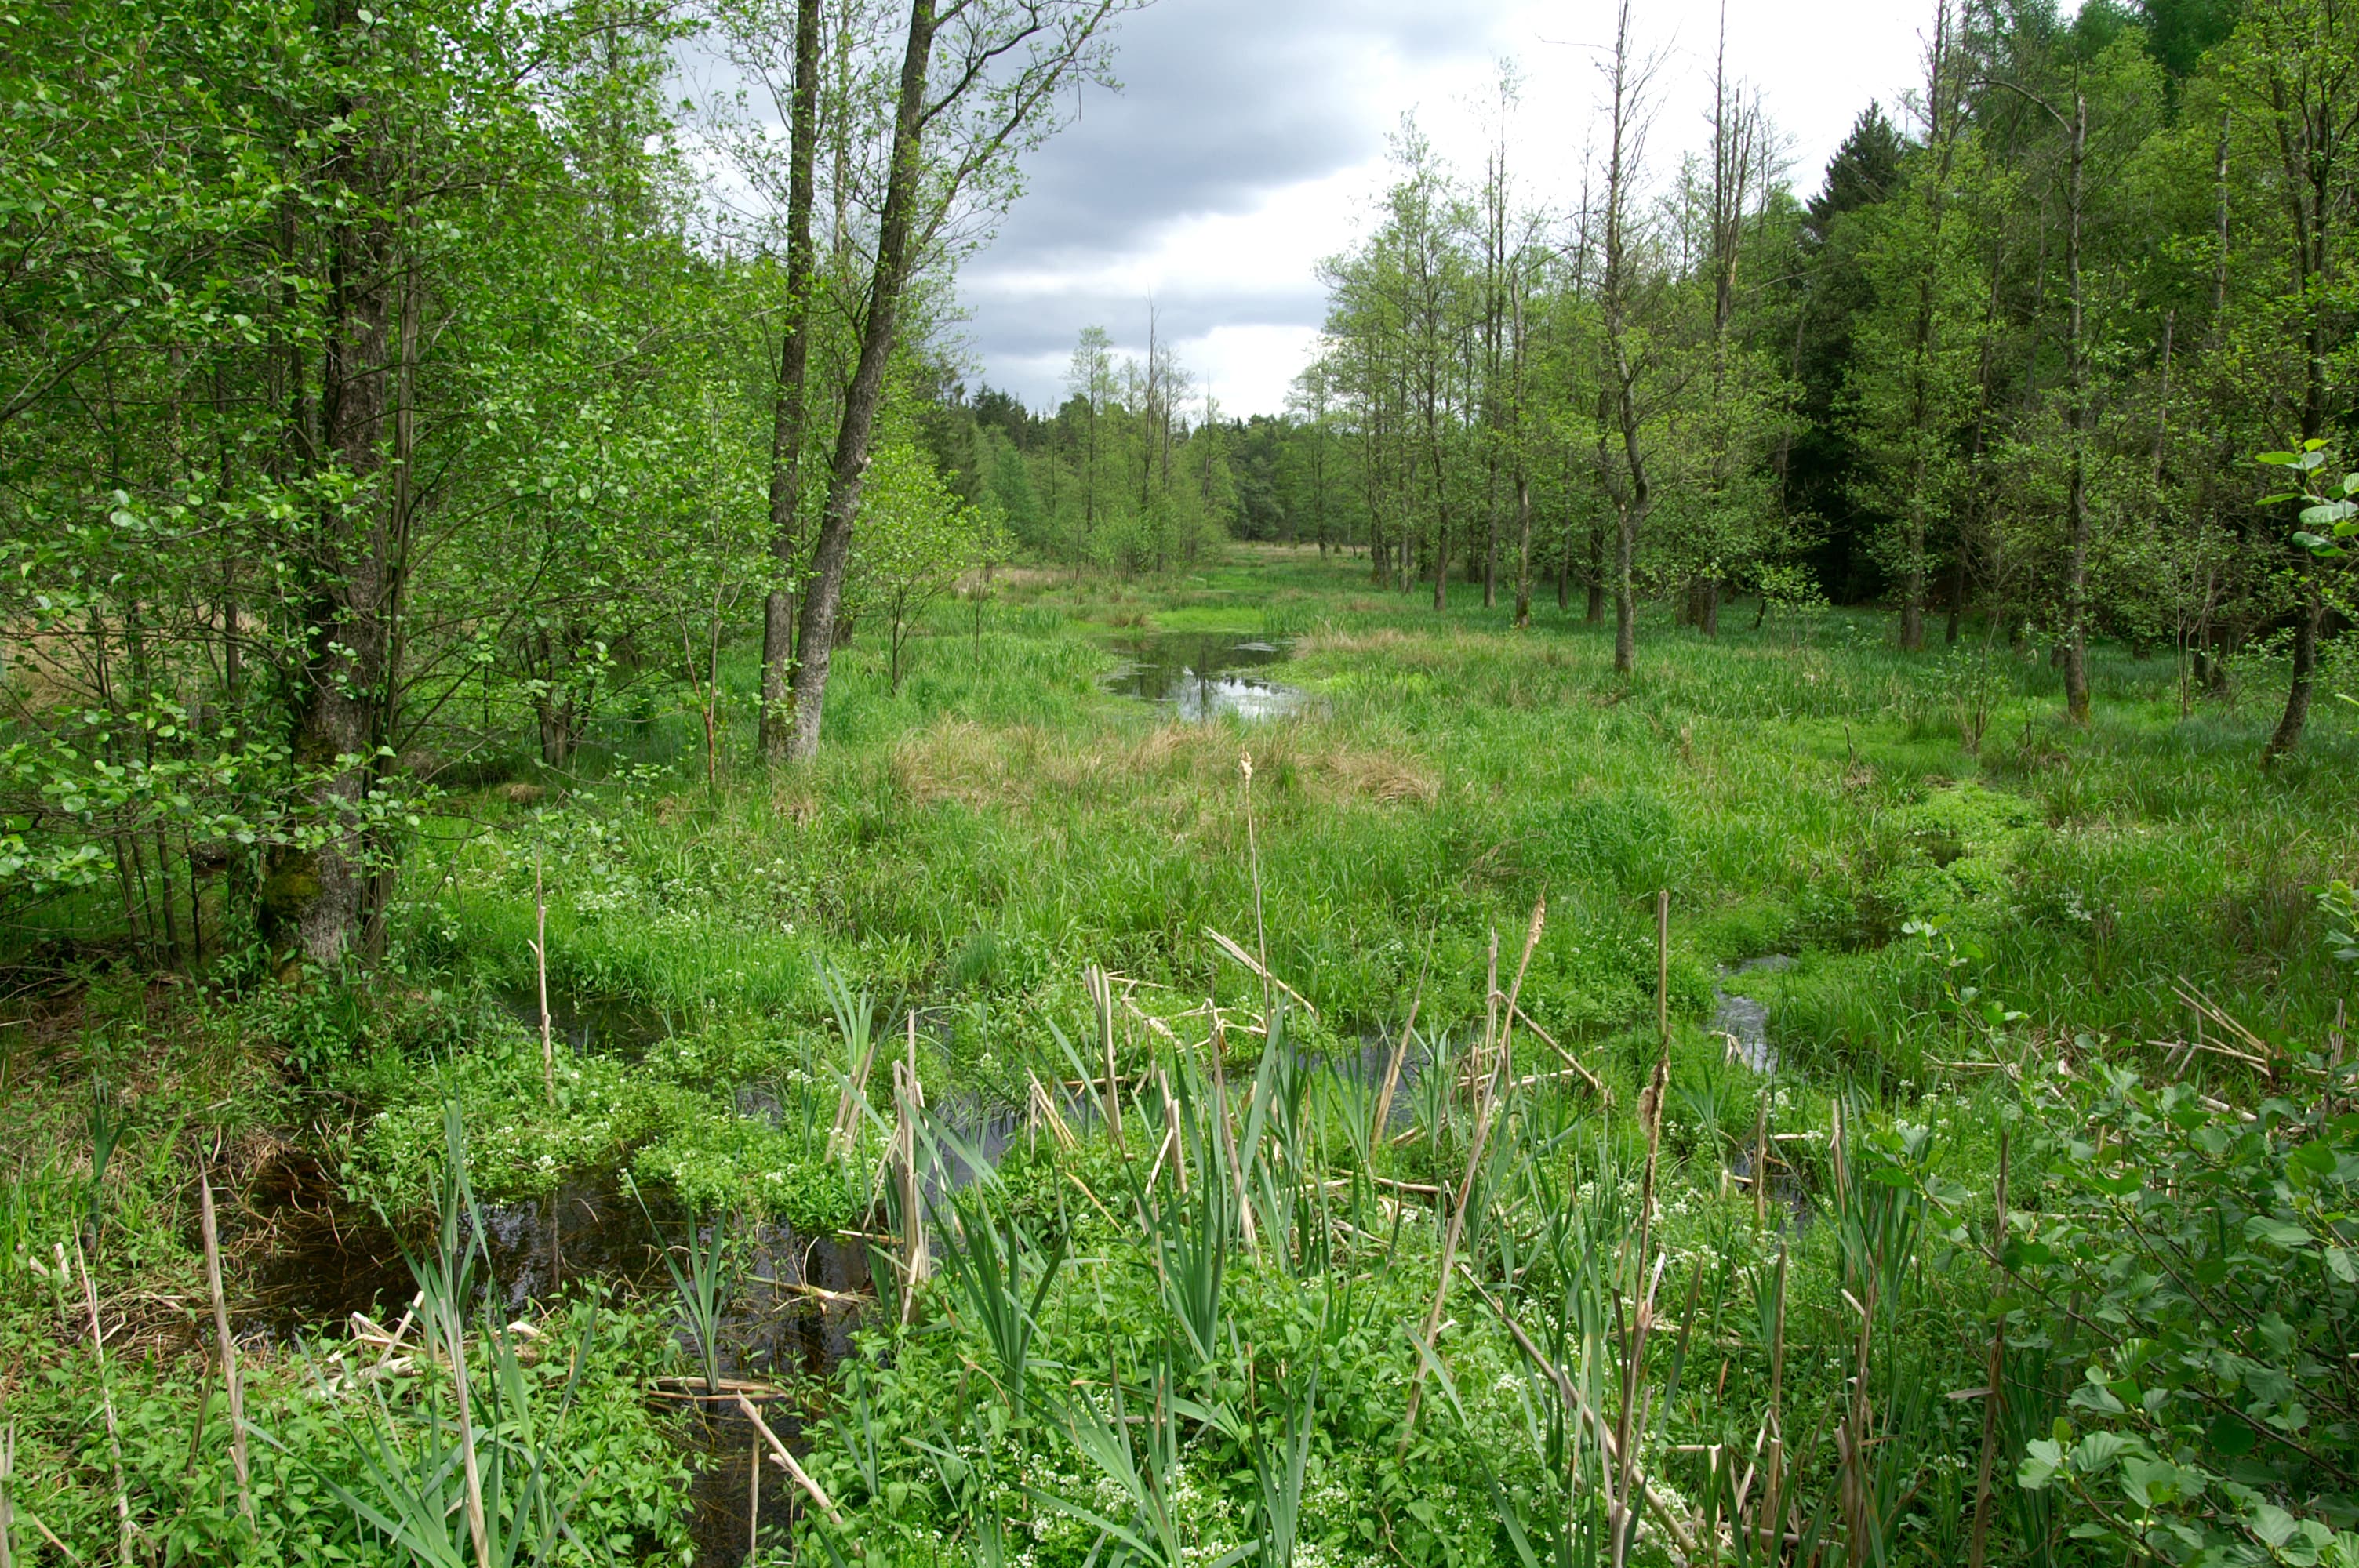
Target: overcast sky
1250,140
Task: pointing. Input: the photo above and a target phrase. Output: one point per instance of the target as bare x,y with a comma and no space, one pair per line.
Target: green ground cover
1208,1332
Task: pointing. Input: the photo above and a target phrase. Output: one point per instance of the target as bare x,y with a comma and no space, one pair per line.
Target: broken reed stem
752,1500
1773,1490
1490,1014
1099,986
786,1463
1400,1048
230,1378
1596,1085
448,1311
1171,1118
540,971
1484,1115
107,1401
916,1260
844,1136
1996,1370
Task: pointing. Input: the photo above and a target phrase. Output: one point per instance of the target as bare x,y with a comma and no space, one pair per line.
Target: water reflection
1202,674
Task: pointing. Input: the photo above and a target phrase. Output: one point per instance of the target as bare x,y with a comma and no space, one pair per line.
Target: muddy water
331,1261
1202,675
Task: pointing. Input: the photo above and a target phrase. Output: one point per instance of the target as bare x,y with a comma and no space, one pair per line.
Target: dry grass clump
1171,764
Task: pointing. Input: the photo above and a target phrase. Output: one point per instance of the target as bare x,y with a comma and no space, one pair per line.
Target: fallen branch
786,1462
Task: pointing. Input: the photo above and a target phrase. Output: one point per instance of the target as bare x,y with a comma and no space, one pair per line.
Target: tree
1004,64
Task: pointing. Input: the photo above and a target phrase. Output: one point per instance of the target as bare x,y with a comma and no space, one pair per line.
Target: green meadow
1085,1031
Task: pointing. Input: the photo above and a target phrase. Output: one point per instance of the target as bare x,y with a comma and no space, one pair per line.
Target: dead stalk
786,1463
1100,988
107,1401
231,1379
916,1260
540,971
1487,1105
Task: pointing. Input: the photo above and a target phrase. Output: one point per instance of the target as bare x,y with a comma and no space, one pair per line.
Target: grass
1208,1334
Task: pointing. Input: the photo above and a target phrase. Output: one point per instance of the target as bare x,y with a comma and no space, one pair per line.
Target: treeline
2015,357
379,386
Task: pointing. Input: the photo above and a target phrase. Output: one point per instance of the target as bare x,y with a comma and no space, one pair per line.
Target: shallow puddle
1201,676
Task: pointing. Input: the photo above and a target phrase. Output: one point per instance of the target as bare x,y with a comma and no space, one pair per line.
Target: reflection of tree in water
1202,674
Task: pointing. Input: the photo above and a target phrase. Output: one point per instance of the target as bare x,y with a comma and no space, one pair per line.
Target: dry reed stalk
1596,1085
844,1135
753,1502
1475,1075
540,971
786,1462
1100,988
1042,1107
106,1398
1486,1106
1774,1427
1400,1048
1993,1382
916,1259
1682,1532
1171,1119
1260,971
230,1378
1761,1164
454,1334
7,1486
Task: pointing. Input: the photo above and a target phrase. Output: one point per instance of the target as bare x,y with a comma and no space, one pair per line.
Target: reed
702,1286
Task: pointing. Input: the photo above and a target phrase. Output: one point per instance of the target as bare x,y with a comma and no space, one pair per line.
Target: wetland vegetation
638,929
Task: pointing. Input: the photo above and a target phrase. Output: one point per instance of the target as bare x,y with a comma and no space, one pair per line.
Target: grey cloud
1223,101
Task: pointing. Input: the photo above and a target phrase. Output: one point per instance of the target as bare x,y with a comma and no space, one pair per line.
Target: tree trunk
1626,607
317,898
832,554
1593,612
1523,548
2288,734
789,408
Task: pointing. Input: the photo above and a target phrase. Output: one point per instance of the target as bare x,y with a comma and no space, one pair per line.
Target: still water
1203,675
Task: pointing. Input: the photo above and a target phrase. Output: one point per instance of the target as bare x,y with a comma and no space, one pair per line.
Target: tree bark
833,553
1523,547
2288,734
316,897
789,408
